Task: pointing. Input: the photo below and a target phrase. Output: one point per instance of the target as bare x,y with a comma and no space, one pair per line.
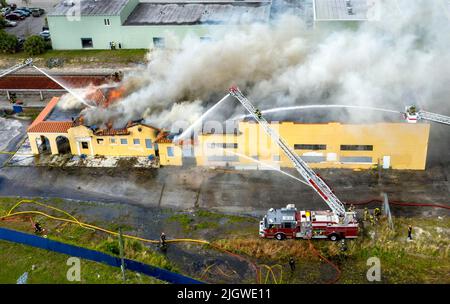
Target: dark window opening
159,42
356,147
100,141
223,145
87,43
288,225
309,147
84,145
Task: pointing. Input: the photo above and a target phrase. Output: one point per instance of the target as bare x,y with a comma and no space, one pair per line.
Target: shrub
34,45
8,43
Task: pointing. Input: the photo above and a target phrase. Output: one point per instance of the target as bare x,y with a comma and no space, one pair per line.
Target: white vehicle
9,23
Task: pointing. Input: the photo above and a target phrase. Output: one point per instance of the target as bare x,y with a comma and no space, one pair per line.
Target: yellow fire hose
74,220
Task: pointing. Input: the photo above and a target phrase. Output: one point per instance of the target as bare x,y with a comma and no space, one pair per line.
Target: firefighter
258,113
343,245
292,264
377,213
162,239
410,232
366,214
372,219
38,228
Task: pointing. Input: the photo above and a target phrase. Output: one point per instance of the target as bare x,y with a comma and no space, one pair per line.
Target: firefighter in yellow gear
372,219
366,214
377,213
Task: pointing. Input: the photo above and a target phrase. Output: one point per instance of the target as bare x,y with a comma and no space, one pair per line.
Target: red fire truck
288,222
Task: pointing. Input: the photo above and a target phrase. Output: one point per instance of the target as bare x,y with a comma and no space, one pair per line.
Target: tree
8,43
3,3
34,45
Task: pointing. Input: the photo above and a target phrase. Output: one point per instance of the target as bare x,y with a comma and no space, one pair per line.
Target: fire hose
74,220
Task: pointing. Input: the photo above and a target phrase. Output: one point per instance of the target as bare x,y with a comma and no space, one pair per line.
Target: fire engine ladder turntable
305,171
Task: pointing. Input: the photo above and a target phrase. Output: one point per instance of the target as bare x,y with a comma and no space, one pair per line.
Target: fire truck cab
288,223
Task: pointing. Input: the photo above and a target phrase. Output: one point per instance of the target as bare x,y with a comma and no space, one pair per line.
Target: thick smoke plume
382,64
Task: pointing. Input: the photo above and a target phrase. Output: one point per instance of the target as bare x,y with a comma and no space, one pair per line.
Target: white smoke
284,63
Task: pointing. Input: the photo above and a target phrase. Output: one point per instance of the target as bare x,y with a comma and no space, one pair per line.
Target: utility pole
122,249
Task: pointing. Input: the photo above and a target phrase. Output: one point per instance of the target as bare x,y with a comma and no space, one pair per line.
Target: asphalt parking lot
31,25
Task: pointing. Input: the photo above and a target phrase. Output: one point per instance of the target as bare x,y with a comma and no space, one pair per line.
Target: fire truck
288,222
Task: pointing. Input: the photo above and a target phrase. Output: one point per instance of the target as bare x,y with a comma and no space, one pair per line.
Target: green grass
51,268
83,57
79,236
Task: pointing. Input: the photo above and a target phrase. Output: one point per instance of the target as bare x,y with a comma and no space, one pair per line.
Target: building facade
135,140
135,24
328,145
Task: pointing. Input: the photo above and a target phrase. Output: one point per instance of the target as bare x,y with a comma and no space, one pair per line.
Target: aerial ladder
413,115
336,206
27,62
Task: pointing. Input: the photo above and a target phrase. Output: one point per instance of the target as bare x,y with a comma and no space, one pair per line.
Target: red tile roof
51,127
45,112
112,132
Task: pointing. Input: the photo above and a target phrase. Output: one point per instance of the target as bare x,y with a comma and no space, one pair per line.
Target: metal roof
198,13
336,10
89,7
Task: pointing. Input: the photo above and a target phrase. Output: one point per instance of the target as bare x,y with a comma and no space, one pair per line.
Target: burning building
54,133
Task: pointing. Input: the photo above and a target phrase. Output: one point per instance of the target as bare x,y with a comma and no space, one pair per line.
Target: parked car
5,11
20,12
9,23
14,16
37,12
25,9
45,35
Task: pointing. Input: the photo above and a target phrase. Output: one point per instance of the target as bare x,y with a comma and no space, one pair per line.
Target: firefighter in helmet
366,214
377,213
258,113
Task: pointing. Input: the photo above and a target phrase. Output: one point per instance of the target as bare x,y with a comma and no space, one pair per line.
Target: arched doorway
63,144
43,144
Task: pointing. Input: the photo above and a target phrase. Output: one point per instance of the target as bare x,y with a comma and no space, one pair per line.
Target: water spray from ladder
264,164
200,119
78,97
282,109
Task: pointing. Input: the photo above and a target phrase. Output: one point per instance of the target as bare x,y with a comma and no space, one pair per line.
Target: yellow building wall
113,146
405,144
35,137
165,159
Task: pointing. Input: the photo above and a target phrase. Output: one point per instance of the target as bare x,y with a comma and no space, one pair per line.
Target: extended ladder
17,67
305,171
434,117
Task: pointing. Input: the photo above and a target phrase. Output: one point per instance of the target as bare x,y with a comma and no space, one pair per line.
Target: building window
148,143
356,159
123,141
309,147
100,141
113,140
136,141
356,147
170,151
159,42
223,145
84,145
87,43
107,22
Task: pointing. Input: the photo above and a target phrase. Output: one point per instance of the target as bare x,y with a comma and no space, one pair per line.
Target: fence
92,255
